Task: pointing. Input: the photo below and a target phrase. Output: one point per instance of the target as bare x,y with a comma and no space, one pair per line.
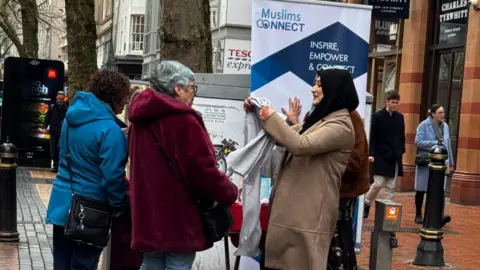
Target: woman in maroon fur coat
166,224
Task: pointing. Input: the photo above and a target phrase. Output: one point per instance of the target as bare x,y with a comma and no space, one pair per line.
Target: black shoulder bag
216,220
89,220
423,160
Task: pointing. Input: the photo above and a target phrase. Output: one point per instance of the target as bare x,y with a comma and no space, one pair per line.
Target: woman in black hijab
305,199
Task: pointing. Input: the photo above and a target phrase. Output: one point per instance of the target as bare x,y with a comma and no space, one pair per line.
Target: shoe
446,219
419,219
366,211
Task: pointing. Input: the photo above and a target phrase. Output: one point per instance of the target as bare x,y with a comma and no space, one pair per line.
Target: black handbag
422,159
89,220
216,219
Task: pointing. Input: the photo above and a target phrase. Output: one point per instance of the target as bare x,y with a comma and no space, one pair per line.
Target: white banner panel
292,40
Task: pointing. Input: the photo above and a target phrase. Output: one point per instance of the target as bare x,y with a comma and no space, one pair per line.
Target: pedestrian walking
173,169
93,154
387,146
355,182
305,199
53,122
429,133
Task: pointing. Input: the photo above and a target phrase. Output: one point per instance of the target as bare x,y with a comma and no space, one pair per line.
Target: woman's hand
451,169
247,106
266,112
294,110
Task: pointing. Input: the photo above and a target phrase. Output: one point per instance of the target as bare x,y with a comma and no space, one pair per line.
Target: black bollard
8,193
430,249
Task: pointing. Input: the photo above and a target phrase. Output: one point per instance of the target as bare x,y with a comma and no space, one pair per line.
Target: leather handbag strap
69,158
171,163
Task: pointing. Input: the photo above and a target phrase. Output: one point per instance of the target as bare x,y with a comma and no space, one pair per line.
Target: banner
392,9
291,41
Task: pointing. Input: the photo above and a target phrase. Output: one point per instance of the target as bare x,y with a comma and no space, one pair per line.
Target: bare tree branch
2,55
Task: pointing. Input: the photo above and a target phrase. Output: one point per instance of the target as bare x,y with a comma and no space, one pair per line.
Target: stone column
465,188
410,85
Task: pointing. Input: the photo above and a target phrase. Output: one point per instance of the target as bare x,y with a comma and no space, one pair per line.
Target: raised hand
294,110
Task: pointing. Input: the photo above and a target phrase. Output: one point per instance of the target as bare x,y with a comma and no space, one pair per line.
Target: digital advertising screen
29,87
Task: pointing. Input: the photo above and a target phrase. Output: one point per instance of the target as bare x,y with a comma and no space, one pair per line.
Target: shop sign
237,57
453,20
386,31
393,9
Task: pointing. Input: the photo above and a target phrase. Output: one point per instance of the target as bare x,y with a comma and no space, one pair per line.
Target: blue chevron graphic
296,57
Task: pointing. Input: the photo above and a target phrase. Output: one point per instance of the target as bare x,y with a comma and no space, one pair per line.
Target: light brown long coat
304,210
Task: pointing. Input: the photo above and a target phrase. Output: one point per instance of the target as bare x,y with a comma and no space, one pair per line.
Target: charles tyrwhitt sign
393,9
453,20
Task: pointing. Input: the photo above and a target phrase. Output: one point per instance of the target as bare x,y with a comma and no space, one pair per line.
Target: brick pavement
461,242
34,249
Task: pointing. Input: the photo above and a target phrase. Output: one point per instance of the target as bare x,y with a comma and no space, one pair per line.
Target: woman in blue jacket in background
98,149
428,134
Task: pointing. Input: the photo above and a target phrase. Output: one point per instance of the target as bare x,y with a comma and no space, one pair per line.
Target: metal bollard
430,249
388,216
8,193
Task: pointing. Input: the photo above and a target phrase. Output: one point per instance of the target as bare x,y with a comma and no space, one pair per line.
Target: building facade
151,50
433,57
104,21
128,37
231,22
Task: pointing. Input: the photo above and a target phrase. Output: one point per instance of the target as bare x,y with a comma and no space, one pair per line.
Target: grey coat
425,139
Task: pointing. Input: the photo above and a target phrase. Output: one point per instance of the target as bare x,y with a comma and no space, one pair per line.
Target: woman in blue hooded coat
98,150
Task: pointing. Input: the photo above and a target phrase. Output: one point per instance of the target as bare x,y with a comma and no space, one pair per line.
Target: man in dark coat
55,115
387,146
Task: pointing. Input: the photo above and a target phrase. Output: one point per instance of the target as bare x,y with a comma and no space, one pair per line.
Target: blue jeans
69,255
167,261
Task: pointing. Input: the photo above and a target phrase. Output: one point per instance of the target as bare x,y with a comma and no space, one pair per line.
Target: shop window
386,35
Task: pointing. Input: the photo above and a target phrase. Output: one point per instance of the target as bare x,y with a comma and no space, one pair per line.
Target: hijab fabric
338,93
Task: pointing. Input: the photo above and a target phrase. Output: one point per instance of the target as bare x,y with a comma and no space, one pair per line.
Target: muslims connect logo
280,20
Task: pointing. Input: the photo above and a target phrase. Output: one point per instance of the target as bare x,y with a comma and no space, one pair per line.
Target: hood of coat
149,105
86,108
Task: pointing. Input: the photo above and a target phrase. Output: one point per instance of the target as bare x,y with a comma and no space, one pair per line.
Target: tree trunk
29,11
186,33
81,38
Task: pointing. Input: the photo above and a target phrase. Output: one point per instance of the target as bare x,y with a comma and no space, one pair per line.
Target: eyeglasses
194,88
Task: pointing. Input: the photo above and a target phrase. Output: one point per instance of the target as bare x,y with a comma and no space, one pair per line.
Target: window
138,29
213,18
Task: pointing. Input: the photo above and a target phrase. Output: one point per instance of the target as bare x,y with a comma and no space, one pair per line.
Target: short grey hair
167,74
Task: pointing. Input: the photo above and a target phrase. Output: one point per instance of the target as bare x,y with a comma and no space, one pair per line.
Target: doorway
448,90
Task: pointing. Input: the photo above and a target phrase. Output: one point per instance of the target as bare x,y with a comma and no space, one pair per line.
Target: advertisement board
290,44
237,56
30,86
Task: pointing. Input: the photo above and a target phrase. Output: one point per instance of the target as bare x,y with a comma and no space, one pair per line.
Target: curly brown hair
110,87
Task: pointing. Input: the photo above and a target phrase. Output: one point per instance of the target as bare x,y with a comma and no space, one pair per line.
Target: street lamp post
430,249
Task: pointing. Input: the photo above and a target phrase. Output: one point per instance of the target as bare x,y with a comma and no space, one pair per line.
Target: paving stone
34,250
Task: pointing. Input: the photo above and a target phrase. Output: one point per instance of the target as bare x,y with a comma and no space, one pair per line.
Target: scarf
338,93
